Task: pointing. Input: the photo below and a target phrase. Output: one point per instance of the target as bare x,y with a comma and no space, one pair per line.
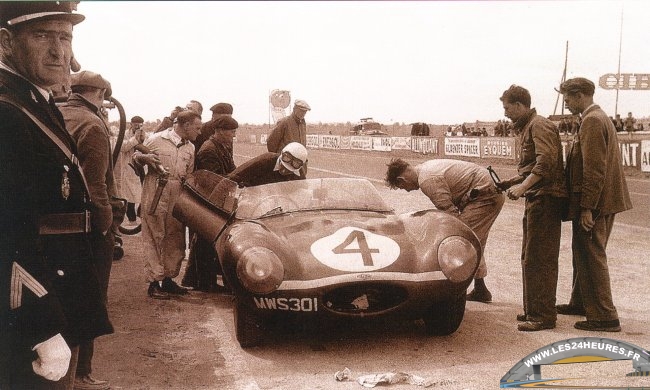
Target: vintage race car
330,248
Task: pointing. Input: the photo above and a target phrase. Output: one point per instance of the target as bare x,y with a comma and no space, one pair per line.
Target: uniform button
60,272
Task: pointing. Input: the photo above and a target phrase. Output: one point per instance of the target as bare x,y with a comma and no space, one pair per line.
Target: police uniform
45,263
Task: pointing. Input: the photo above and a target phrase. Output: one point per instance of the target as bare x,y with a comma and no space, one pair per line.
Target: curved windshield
310,194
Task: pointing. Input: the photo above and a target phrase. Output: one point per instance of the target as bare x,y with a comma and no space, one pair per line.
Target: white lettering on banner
287,304
628,153
424,145
645,155
312,141
639,81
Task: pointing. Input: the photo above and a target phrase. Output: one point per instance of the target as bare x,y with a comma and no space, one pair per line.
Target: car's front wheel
444,318
248,327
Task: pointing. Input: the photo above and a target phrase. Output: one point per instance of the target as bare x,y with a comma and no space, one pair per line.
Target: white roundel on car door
355,250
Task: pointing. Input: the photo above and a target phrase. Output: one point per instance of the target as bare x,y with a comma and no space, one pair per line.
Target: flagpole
566,57
618,78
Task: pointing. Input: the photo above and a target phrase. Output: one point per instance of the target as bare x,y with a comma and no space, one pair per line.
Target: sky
439,62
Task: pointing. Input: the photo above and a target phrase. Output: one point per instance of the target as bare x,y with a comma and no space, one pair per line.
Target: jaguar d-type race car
330,248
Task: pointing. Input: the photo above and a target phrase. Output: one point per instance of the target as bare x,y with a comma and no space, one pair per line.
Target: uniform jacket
85,124
541,154
48,284
215,156
289,129
260,170
594,172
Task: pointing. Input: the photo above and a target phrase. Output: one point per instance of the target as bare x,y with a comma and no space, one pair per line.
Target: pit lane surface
189,343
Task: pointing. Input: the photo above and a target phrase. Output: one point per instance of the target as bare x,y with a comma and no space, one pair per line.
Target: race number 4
21,278
355,250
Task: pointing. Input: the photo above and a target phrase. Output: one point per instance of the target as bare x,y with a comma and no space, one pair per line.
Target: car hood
322,244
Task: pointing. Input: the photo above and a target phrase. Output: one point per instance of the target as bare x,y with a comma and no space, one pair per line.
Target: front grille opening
364,299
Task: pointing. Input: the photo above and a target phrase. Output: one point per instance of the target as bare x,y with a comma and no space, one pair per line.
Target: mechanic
461,188
597,192
50,298
216,155
170,159
540,179
87,126
272,167
290,129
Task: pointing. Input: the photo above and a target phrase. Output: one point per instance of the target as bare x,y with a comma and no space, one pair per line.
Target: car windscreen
311,194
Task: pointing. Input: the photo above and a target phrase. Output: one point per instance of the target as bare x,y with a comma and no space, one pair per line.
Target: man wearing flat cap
86,124
218,110
45,255
290,129
597,191
216,155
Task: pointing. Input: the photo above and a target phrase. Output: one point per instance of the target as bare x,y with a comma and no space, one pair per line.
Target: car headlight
457,258
260,270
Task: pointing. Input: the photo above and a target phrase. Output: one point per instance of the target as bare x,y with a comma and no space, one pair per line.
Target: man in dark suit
597,191
86,124
50,297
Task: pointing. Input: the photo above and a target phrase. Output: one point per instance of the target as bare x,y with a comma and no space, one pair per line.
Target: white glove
53,358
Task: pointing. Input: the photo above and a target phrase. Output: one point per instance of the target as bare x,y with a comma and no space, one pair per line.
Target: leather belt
64,223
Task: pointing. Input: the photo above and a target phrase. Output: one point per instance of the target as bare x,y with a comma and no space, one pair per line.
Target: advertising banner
312,141
330,141
462,146
499,147
424,145
361,142
381,144
263,138
629,152
345,142
401,143
645,155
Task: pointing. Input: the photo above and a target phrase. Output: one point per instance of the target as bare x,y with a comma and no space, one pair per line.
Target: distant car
330,248
367,126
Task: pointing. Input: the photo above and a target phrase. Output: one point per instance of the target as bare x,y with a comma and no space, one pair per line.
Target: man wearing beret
218,110
50,298
86,124
290,129
597,191
216,155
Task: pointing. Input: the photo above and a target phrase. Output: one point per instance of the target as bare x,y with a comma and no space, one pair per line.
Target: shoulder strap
46,130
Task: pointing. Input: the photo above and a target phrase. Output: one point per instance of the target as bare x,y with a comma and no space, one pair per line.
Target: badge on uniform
65,183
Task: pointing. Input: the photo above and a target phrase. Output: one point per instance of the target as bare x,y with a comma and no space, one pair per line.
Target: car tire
444,318
248,327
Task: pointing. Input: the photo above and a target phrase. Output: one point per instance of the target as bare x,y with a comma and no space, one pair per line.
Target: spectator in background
618,123
540,179
90,131
460,188
628,124
127,181
170,156
563,127
597,191
207,130
195,106
293,128
168,121
216,155
50,298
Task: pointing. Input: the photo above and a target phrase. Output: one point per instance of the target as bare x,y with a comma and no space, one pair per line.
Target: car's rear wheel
248,327
444,318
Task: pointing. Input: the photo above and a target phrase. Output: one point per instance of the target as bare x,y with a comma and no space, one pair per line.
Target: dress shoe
569,310
170,287
521,317
156,292
87,382
534,326
480,296
599,326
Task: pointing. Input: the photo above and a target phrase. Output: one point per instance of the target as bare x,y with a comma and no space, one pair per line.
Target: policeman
45,264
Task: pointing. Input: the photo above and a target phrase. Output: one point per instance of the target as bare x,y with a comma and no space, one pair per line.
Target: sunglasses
289,159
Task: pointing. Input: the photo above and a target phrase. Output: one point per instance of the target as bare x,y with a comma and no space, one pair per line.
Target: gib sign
638,81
